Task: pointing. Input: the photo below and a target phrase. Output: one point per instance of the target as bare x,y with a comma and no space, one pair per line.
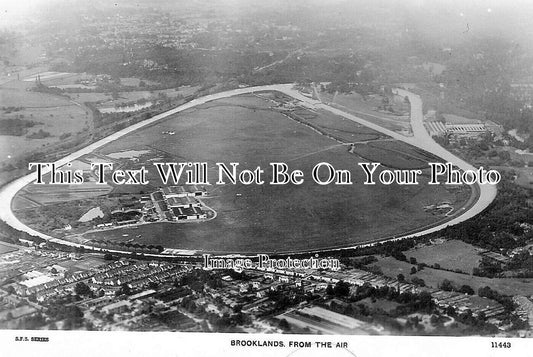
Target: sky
12,11
18,7
511,17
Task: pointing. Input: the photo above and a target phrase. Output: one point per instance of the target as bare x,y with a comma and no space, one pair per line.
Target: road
275,63
420,139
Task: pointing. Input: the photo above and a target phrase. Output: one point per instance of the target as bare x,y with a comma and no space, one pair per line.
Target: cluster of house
128,246
54,282
524,308
497,258
316,281
44,286
462,303
134,275
177,203
142,303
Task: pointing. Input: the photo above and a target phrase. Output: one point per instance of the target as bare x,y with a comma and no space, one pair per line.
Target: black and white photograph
266,177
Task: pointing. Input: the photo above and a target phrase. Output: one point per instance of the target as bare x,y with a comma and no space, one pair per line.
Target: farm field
453,254
46,194
269,218
51,113
433,277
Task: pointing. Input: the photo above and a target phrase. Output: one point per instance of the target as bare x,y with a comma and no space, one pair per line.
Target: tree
466,289
413,270
329,290
124,290
434,320
400,277
418,281
425,299
89,326
82,289
450,311
412,260
341,288
153,285
284,325
399,256
446,285
481,316
518,324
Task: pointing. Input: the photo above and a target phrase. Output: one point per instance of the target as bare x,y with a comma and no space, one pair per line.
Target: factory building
188,213
182,202
183,191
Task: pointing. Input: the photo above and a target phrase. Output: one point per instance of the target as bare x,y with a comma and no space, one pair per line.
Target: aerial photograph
303,167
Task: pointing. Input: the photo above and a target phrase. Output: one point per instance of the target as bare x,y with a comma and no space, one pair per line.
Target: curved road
420,139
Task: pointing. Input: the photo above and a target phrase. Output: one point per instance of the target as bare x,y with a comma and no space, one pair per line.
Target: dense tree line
479,78
181,67
505,300
12,235
498,227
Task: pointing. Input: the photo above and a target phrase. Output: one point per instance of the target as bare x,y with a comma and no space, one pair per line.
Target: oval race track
420,139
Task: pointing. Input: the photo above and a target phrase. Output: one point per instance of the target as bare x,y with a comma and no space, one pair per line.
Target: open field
56,216
524,175
339,127
453,254
391,157
268,218
71,80
135,82
84,264
44,76
47,194
433,277
382,304
52,114
366,109
19,97
106,99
